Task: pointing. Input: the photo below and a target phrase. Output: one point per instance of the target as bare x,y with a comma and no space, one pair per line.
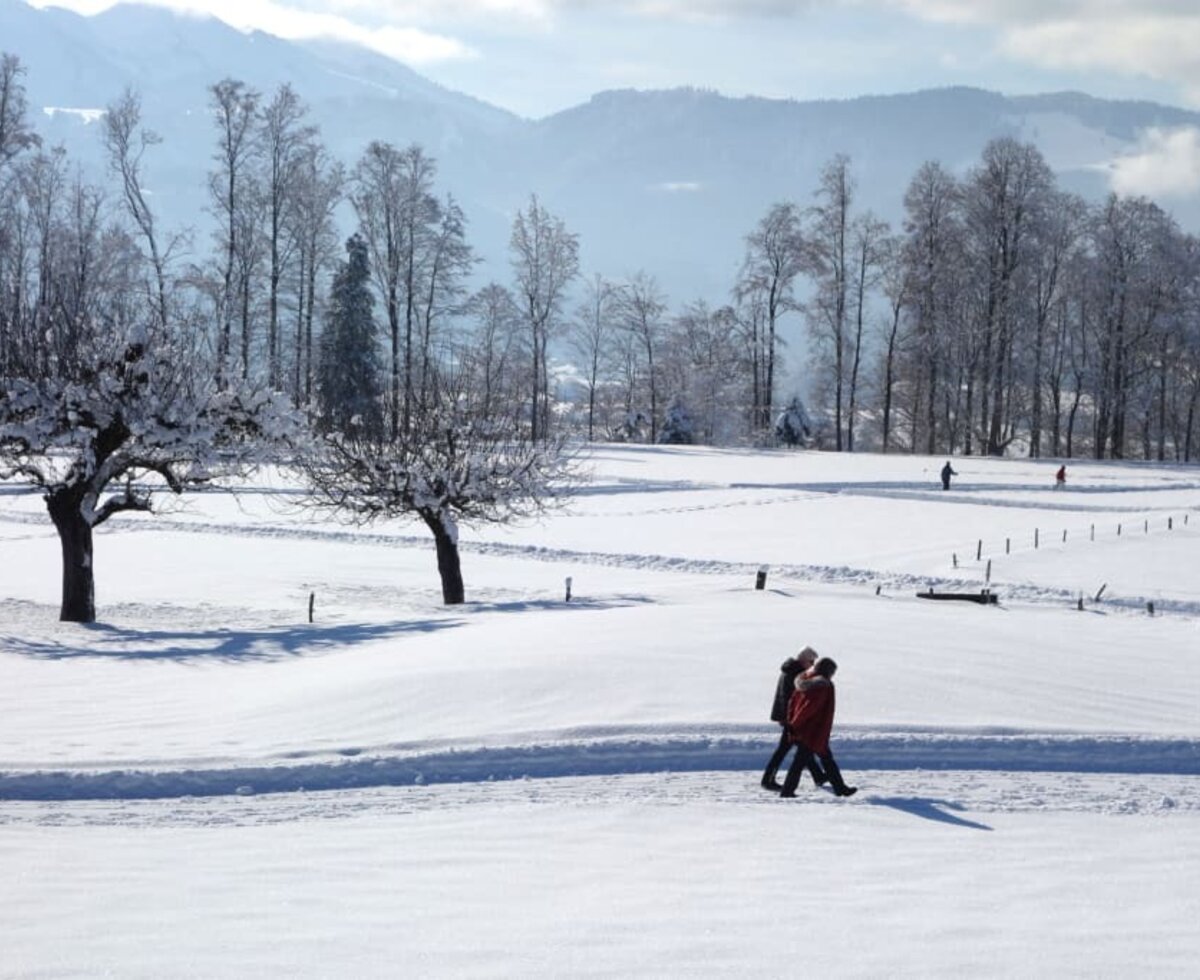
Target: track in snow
612,753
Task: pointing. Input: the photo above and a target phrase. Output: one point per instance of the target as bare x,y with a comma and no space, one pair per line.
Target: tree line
1004,316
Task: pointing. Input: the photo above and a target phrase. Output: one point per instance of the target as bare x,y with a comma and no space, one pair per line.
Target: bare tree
1059,236
590,336
828,253
409,236
545,258
641,308
494,352
454,467
868,240
897,286
1005,198
126,142
932,245
316,195
286,147
703,363
235,109
774,258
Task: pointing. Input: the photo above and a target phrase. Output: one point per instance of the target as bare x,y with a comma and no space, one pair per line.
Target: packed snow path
617,753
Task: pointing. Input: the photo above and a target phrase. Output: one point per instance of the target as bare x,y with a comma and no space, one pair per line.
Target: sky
536,57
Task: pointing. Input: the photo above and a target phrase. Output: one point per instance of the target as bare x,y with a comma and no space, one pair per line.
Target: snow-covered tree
794,427
678,429
123,420
454,468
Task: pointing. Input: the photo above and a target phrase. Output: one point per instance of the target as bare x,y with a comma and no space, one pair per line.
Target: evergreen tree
677,428
349,394
794,427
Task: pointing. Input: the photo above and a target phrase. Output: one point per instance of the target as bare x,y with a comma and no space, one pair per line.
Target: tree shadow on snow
575,604
928,809
229,645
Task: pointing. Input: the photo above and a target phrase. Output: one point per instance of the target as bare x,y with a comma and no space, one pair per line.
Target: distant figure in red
810,720
1060,478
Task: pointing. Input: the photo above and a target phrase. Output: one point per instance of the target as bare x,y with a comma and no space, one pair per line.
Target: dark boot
770,782
834,774
817,773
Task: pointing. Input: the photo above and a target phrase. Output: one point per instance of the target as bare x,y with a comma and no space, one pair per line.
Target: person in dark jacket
947,472
810,720
789,670
1060,478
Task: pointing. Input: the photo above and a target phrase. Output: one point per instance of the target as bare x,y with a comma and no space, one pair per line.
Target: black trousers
780,753
805,757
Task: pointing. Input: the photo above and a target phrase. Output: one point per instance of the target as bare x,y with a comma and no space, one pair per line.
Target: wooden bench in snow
985,597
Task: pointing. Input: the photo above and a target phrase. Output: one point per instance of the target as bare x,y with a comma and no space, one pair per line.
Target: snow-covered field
205,784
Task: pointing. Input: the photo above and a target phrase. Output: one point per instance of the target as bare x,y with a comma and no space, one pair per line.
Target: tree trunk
449,566
78,575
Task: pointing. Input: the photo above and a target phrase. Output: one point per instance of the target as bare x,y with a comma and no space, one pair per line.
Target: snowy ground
205,784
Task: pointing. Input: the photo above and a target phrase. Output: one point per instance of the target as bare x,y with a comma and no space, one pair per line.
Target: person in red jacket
810,720
789,671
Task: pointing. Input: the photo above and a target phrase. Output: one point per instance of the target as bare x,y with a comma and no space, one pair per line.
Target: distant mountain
669,182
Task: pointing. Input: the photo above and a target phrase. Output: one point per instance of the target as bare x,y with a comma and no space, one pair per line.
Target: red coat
810,714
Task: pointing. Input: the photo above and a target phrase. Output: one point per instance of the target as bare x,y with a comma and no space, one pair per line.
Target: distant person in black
791,668
1060,478
947,472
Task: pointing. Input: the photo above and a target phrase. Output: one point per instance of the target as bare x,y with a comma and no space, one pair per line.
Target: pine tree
350,392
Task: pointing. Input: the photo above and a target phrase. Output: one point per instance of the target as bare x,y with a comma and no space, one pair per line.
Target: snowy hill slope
250,788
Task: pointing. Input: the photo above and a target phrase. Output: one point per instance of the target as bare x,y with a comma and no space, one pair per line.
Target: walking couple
804,704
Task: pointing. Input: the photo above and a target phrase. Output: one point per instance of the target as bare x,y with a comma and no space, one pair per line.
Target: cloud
1165,164
410,44
1156,39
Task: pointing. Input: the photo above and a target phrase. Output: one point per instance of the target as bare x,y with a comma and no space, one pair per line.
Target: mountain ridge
665,180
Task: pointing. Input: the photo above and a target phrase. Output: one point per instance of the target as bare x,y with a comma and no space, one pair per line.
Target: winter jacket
810,714
784,688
